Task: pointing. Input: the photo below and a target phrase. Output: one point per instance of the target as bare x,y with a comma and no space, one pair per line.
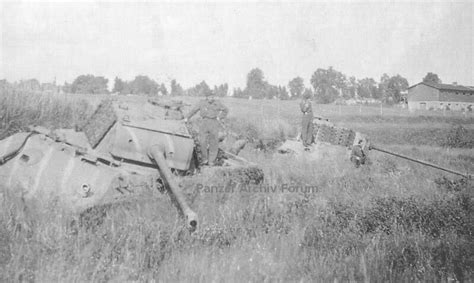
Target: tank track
197,146
329,133
239,174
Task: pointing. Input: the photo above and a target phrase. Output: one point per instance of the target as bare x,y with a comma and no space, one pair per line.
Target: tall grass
19,110
274,119
389,221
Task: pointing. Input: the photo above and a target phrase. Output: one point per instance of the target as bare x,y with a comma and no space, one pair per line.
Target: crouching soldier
211,112
358,155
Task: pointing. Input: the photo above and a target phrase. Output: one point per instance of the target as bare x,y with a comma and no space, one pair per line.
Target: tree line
201,89
325,86
141,85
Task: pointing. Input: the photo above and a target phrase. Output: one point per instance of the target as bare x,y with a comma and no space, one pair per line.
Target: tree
382,87
143,85
269,92
239,93
283,93
309,92
296,87
391,88
89,84
221,90
432,78
119,85
256,84
255,79
200,89
176,89
367,88
328,84
162,89
351,89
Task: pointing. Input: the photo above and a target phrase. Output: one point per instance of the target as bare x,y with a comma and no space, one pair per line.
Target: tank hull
122,154
44,172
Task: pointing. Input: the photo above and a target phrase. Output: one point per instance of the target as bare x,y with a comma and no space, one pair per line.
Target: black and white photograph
236,141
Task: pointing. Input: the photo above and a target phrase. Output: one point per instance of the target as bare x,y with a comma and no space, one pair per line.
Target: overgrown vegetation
390,221
18,110
459,136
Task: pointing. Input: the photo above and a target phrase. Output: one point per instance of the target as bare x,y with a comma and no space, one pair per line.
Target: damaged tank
125,149
327,135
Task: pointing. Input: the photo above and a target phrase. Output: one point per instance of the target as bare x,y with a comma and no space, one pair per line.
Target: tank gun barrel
419,161
320,118
157,154
170,104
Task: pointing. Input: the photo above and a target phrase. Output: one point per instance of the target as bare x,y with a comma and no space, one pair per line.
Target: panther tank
127,148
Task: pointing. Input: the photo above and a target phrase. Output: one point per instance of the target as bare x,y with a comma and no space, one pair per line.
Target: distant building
432,96
49,87
28,85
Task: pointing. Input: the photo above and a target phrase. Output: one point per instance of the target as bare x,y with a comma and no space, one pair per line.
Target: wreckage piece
126,148
465,175
326,132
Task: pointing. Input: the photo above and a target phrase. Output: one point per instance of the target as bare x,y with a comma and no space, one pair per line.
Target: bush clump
430,217
417,239
460,137
449,185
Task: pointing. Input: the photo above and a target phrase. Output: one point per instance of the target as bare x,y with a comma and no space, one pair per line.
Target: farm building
432,96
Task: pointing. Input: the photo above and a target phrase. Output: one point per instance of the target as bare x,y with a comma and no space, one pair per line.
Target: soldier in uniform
307,120
211,112
358,155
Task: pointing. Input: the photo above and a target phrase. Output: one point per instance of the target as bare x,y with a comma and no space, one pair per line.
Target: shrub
458,136
452,185
430,217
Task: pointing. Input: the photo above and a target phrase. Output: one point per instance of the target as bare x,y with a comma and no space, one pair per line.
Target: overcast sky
222,42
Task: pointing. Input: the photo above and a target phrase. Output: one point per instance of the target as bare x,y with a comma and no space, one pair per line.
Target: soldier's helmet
307,95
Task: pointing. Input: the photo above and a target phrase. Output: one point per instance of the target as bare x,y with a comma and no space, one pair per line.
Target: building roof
447,87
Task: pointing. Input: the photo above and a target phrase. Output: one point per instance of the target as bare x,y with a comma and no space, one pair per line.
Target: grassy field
391,220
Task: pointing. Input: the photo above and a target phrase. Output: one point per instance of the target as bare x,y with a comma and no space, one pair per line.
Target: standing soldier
307,120
211,112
